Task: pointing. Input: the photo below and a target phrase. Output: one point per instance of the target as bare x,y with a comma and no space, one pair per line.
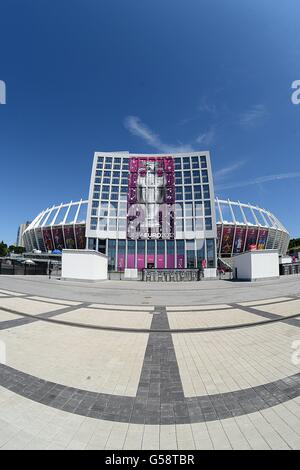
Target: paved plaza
132,365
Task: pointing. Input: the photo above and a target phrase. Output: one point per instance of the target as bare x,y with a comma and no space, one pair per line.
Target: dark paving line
169,408
28,318
48,317
272,317
160,396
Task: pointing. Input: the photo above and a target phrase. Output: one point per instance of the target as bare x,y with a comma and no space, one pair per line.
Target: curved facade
243,226
238,227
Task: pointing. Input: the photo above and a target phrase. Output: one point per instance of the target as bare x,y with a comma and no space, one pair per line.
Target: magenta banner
170,261
80,237
140,261
151,198
180,261
262,239
58,238
160,261
251,238
47,236
227,240
130,261
239,241
121,261
69,237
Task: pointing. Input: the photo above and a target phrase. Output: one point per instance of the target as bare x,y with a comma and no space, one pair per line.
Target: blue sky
148,76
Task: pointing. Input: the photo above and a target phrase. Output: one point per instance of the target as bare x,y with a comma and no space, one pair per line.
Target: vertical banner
227,240
262,239
151,198
80,237
47,236
69,237
239,241
251,242
58,238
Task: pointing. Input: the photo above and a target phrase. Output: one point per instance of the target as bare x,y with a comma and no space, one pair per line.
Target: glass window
179,192
160,247
207,207
188,209
179,209
122,225
190,254
112,224
82,214
177,163
102,246
151,247
115,189
210,249
186,163
72,214
105,196
249,216
179,225
103,224
103,210
237,214
208,223
178,178
61,215
199,224
204,176
189,225
200,248
111,255
206,192
92,243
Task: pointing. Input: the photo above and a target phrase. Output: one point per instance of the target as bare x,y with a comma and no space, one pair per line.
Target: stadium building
156,211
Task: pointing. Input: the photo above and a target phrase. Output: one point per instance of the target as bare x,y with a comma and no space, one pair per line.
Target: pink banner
160,261
170,261
130,261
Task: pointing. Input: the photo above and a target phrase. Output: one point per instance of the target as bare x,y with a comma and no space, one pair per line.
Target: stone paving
89,374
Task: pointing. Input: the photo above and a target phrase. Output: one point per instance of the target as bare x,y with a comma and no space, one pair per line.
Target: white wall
86,265
255,265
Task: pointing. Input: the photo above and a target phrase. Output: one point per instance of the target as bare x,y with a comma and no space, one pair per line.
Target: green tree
3,249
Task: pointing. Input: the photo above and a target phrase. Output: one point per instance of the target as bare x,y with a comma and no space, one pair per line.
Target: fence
13,267
288,269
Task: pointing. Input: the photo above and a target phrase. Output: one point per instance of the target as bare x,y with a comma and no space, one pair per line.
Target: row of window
120,224
156,253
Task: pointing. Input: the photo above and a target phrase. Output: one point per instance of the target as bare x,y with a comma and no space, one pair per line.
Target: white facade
86,265
256,265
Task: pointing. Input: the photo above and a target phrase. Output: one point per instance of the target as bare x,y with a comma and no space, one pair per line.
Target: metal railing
171,275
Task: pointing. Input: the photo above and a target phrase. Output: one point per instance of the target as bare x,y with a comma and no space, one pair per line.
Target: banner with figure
151,198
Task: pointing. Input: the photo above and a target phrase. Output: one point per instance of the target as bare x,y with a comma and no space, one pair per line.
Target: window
204,176
210,250
208,223
207,207
111,255
206,191
190,254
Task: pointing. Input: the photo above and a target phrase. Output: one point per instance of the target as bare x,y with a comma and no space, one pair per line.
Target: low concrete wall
85,265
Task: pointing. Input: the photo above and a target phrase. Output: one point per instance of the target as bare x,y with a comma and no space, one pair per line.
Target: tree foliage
295,242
